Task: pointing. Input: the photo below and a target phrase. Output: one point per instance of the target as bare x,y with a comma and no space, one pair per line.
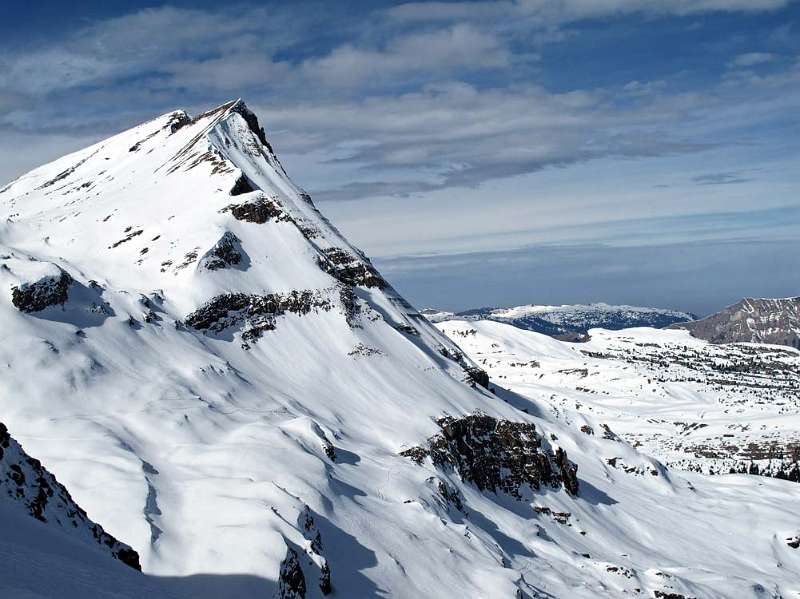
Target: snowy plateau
196,357
569,322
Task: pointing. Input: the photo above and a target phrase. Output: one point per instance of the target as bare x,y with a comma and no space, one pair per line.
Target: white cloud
752,59
163,40
457,135
389,105
565,11
461,47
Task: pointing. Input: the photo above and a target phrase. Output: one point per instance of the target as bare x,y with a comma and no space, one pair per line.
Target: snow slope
40,562
227,384
43,531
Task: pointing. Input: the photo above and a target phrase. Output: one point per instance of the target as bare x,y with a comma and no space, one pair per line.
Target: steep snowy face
752,320
27,488
226,382
570,321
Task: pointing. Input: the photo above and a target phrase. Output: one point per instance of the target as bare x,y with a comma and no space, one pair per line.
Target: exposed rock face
314,551
568,470
478,376
252,122
669,595
325,580
497,455
258,211
450,494
256,313
51,290
25,482
751,320
349,268
178,120
291,581
241,186
350,305
475,375
227,252
130,235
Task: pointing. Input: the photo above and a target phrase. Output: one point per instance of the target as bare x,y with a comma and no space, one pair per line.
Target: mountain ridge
569,322
751,320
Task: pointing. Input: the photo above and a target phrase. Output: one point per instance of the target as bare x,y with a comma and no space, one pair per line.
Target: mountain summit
232,389
219,375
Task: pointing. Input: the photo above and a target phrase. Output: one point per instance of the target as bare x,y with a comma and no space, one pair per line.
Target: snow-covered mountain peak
222,353
228,385
154,205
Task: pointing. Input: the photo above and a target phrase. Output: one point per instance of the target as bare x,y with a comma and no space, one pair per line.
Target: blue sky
579,148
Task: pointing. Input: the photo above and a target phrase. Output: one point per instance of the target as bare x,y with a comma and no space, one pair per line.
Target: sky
482,153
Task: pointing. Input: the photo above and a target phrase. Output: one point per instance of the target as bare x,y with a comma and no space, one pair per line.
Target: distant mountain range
751,320
569,322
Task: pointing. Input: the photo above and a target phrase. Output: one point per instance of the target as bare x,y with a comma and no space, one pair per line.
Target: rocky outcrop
568,472
325,580
130,235
349,268
225,253
241,186
50,290
259,211
450,494
496,455
669,595
255,314
350,305
178,120
477,376
314,549
291,581
751,320
26,483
